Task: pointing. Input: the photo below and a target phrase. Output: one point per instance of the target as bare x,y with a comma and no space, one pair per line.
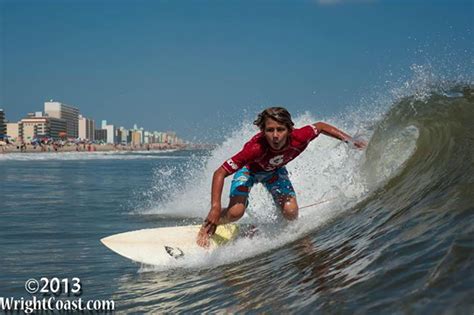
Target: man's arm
210,224
333,132
216,194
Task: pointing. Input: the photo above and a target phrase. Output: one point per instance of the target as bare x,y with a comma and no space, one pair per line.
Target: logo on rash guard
277,160
232,164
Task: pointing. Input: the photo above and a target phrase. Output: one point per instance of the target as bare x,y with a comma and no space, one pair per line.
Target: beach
14,148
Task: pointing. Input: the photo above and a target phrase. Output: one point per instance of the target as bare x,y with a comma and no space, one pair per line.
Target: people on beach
262,160
53,146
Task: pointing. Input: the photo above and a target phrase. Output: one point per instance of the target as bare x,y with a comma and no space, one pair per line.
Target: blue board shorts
277,183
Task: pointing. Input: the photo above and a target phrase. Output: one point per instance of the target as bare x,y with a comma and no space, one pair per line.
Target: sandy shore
88,148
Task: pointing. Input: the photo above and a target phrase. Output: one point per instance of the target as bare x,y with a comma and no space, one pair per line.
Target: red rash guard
258,156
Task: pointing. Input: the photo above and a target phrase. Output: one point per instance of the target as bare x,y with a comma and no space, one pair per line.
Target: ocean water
394,235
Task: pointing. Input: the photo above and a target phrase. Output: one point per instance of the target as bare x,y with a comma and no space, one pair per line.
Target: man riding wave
263,160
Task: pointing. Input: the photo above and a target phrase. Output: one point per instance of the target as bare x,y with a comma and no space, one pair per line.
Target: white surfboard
158,246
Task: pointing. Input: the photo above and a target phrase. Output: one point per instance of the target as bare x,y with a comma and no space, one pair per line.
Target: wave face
414,232
395,235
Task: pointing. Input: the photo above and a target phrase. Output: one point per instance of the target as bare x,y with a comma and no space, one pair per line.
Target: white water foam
72,156
328,170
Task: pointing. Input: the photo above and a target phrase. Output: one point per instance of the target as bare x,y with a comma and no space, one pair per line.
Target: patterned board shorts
276,182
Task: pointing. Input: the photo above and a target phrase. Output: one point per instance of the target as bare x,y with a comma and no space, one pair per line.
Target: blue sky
196,66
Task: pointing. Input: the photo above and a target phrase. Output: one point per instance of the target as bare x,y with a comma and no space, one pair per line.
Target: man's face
276,134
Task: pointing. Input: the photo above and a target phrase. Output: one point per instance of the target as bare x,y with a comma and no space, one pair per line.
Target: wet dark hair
278,114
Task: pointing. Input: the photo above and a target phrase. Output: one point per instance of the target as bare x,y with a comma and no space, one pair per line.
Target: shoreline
86,148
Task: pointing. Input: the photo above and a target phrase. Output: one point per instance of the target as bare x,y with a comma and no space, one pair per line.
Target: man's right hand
213,217
208,228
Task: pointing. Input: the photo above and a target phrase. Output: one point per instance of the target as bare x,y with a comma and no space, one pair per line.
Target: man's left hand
359,144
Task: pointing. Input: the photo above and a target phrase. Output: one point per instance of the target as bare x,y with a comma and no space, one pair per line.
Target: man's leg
242,182
288,206
239,191
281,189
235,210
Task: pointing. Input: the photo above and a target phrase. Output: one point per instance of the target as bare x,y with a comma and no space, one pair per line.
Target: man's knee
289,207
290,213
236,212
236,208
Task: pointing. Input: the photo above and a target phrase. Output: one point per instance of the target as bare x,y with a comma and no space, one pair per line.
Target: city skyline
63,121
164,65
97,123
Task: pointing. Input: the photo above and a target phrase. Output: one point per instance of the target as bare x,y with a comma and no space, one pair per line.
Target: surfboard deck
157,246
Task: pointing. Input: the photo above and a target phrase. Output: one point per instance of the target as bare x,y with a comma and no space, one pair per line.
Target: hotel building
62,111
100,135
38,126
137,136
111,134
3,127
14,131
123,136
86,128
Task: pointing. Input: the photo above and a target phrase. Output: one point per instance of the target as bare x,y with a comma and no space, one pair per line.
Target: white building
124,136
38,126
146,137
86,128
62,111
110,132
13,130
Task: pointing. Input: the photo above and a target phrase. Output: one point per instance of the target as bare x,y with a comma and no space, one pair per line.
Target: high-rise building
39,126
57,127
136,137
111,132
100,135
171,137
146,137
3,127
29,132
62,111
86,128
13,131
159,137
124,136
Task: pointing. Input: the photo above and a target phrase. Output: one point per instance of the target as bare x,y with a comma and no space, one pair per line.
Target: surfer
263,160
